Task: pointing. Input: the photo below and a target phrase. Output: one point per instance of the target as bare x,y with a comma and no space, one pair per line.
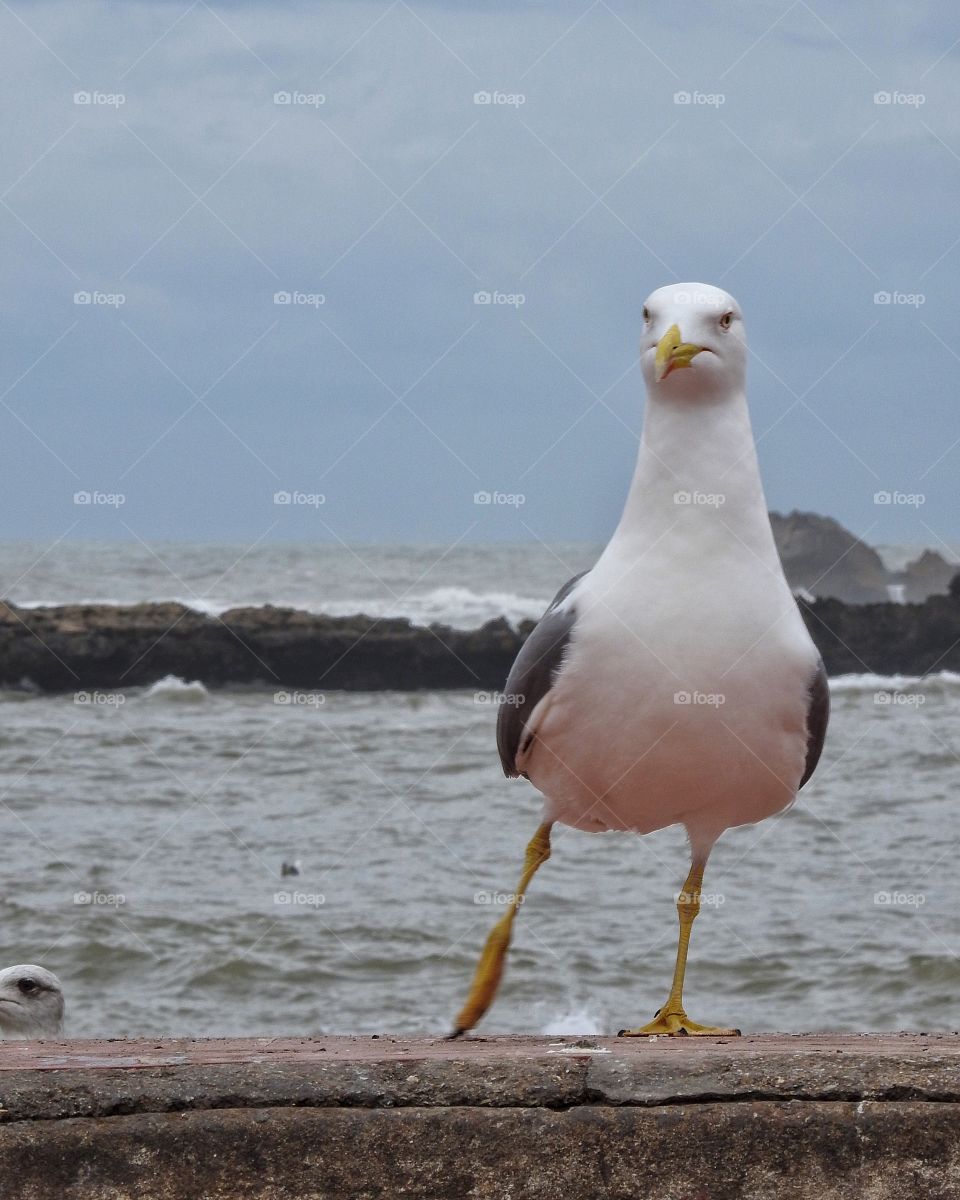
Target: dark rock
928,575
106,647
824,559
888,639
110,648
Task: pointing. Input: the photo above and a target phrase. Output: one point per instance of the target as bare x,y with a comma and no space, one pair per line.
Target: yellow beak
671,352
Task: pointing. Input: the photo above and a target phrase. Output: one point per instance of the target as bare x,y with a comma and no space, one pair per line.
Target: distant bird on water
675,682
31,1002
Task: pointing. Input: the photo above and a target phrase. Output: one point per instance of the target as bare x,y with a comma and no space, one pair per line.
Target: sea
145,834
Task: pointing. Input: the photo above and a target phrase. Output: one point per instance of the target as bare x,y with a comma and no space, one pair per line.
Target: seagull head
31,1002
693,342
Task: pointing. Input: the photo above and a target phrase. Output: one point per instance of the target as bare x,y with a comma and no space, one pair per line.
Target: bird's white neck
697,466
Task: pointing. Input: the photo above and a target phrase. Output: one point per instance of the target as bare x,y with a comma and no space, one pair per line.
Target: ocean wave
179,691
868,682
573,1021
459,607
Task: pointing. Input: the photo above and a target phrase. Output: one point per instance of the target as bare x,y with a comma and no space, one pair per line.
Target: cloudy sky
182,167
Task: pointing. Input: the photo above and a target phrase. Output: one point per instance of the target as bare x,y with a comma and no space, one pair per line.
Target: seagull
675,682
31,1002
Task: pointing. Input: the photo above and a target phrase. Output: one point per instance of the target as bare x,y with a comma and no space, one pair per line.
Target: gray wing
532,675
818,714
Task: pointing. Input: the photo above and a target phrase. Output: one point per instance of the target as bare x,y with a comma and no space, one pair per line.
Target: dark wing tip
818,716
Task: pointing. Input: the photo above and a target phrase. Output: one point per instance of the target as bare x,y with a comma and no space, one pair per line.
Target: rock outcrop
89,647
98,646
928,575
824,559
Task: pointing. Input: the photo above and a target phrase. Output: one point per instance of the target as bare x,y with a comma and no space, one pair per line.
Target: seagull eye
28,986
726,320
646,313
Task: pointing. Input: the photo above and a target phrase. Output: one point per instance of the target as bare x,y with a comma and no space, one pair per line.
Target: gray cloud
398,197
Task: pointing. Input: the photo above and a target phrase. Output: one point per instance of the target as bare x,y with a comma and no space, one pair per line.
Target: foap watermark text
100,899
510,699
300,499
99,699
700,699
300,699
300,899
704,499
500,499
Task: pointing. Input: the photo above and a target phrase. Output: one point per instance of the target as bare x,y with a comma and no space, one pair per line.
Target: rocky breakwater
114,647
97,646
888,639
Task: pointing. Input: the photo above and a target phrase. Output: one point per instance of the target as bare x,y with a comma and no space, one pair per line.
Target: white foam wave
453,605
896,557
573,1021
868,682
208,608
178,690
459,607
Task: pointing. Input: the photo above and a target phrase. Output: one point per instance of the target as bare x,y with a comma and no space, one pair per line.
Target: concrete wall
513,1118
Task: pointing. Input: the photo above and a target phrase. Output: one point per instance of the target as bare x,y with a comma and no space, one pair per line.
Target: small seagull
675,682
31,1002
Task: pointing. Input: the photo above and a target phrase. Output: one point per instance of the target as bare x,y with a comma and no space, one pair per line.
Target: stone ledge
284,1118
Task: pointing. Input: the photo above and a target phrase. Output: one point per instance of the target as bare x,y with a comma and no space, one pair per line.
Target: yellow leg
490,967
671,1019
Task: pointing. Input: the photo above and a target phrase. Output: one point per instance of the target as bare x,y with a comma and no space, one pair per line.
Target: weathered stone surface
751,1151
39,1081
493,1119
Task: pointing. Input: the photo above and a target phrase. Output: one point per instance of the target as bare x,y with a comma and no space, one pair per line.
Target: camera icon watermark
900,299
498,299
300,699
702,499
498,898
706,899
100,499
510,699
894,899
100,99
500,499
700,99
99,699
887,698
300,99
100,299
686,297
900,99
300,299
500,99
902,499
300,499
300,899
100,899
700,699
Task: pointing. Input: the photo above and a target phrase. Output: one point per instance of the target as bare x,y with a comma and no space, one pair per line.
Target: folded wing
532,675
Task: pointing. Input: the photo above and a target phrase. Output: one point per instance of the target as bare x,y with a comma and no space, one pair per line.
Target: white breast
683,697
